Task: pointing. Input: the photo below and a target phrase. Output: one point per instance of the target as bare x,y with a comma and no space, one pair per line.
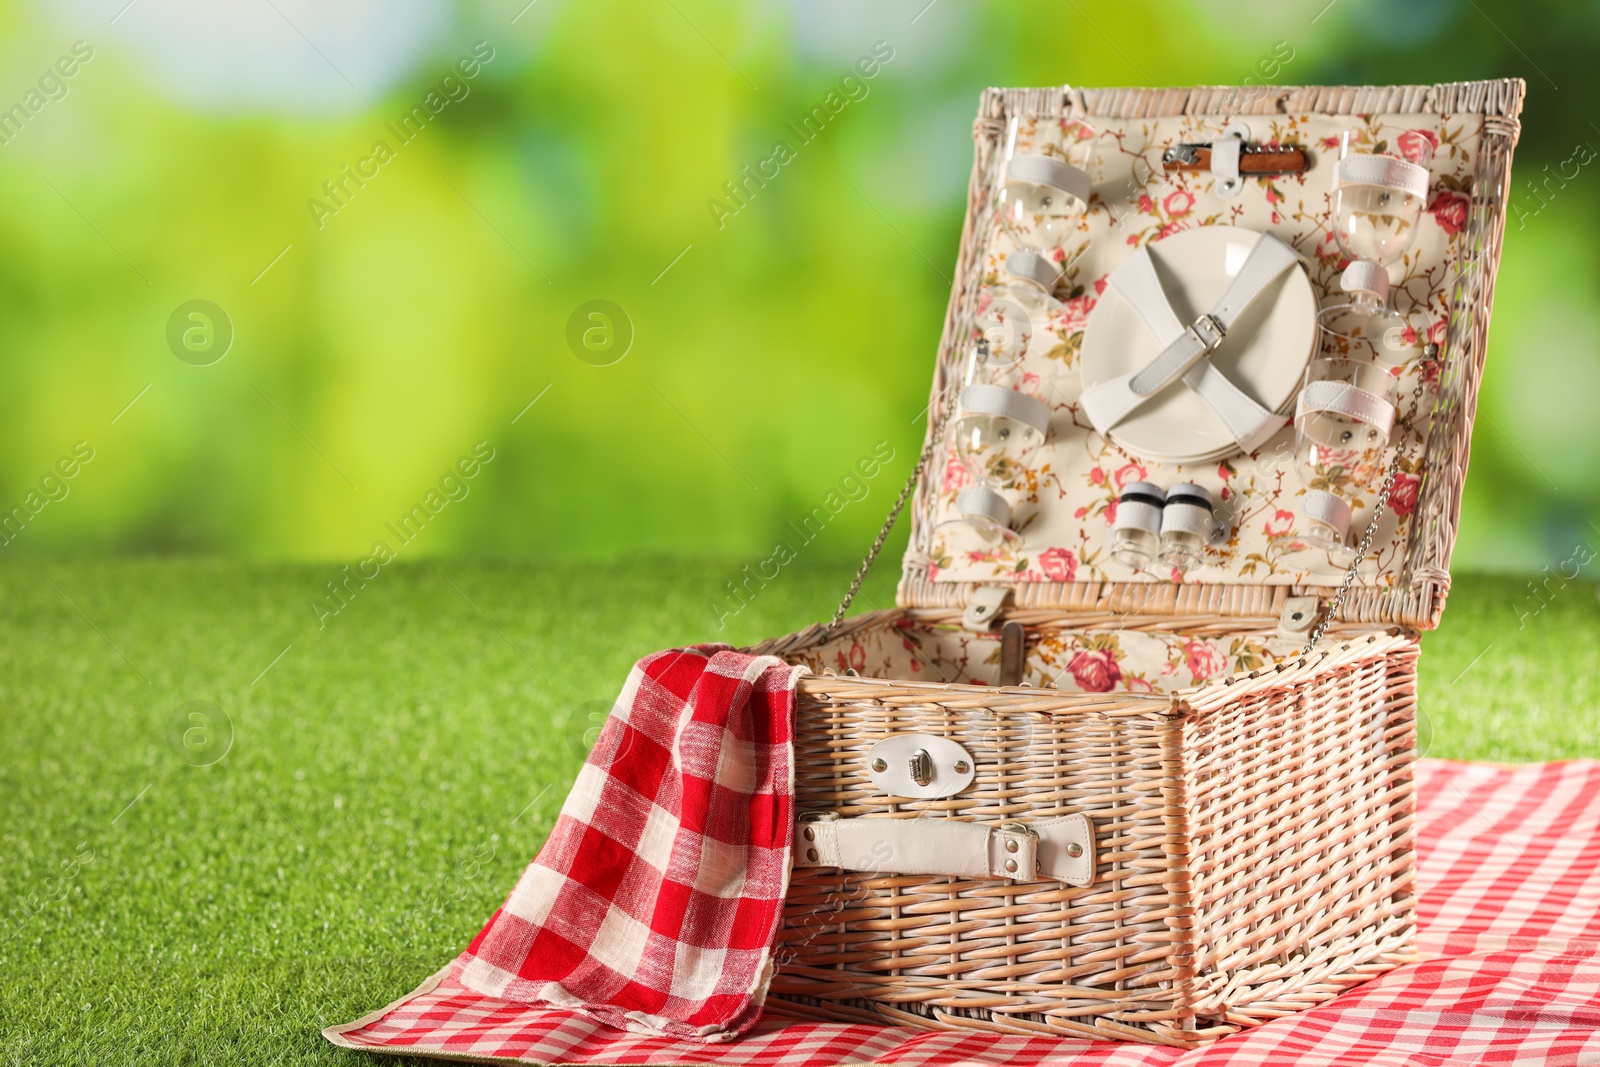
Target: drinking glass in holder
1002,417
1043,195
1343,422
1377,205
1002,329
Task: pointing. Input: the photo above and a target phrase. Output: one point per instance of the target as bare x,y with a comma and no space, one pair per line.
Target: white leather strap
1061,849
1268,258
1139,285
984,399
1327,507
1029,266
1248,422
1225,162
1188,348
981,502
1342,398
1184,351
1388,172
1052,172
1364,276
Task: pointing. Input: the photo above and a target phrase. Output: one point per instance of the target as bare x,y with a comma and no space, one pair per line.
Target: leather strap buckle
1209,331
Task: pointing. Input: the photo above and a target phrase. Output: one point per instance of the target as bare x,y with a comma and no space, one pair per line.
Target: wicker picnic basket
1210,781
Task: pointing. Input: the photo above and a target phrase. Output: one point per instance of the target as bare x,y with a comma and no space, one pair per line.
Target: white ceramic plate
1265,353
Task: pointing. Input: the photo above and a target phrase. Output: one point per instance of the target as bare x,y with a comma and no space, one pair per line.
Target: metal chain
1361,553
894,514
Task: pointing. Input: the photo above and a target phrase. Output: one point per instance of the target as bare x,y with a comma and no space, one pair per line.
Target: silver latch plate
920,766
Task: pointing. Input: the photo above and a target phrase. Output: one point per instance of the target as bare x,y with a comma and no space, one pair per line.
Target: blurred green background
375,345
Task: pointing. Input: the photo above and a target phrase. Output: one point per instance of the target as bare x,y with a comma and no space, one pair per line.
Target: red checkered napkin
654,904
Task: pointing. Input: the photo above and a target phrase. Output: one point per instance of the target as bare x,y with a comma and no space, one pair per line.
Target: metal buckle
921,767
1208,324
1011,866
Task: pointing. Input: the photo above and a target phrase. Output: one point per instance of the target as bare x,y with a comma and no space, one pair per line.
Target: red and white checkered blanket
654,903
1509,877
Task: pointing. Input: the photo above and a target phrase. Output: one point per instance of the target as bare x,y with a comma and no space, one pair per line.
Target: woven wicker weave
1253,834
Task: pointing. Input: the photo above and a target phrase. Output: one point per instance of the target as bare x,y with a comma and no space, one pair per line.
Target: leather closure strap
1185,350
1061,849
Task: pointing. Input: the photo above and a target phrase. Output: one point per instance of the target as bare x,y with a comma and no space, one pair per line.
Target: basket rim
1176,704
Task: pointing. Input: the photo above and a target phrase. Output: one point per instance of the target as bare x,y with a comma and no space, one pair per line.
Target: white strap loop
1051,172
981,502
1364,276
983,399
1029,266
1342,398
1225,165
1388,172
1323,506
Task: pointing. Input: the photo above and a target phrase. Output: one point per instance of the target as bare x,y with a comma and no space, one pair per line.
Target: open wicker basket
1246,804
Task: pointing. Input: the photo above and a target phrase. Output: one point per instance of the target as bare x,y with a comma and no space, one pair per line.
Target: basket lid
1210,405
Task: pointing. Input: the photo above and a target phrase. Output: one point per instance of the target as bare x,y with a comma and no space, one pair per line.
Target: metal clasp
1209,331
1188,154
921,765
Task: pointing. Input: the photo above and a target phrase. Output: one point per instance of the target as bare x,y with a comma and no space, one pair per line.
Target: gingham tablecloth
1509,872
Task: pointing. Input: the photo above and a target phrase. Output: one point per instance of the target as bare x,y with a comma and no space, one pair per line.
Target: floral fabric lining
1064,497
1070,659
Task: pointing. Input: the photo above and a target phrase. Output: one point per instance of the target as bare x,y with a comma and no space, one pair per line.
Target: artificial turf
393,771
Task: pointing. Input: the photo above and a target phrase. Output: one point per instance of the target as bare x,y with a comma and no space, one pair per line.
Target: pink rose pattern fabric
1064,498
1089,661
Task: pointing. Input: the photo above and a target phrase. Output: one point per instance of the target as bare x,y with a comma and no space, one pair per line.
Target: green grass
392,773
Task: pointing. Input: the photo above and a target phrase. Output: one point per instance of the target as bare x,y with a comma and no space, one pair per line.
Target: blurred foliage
770,351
